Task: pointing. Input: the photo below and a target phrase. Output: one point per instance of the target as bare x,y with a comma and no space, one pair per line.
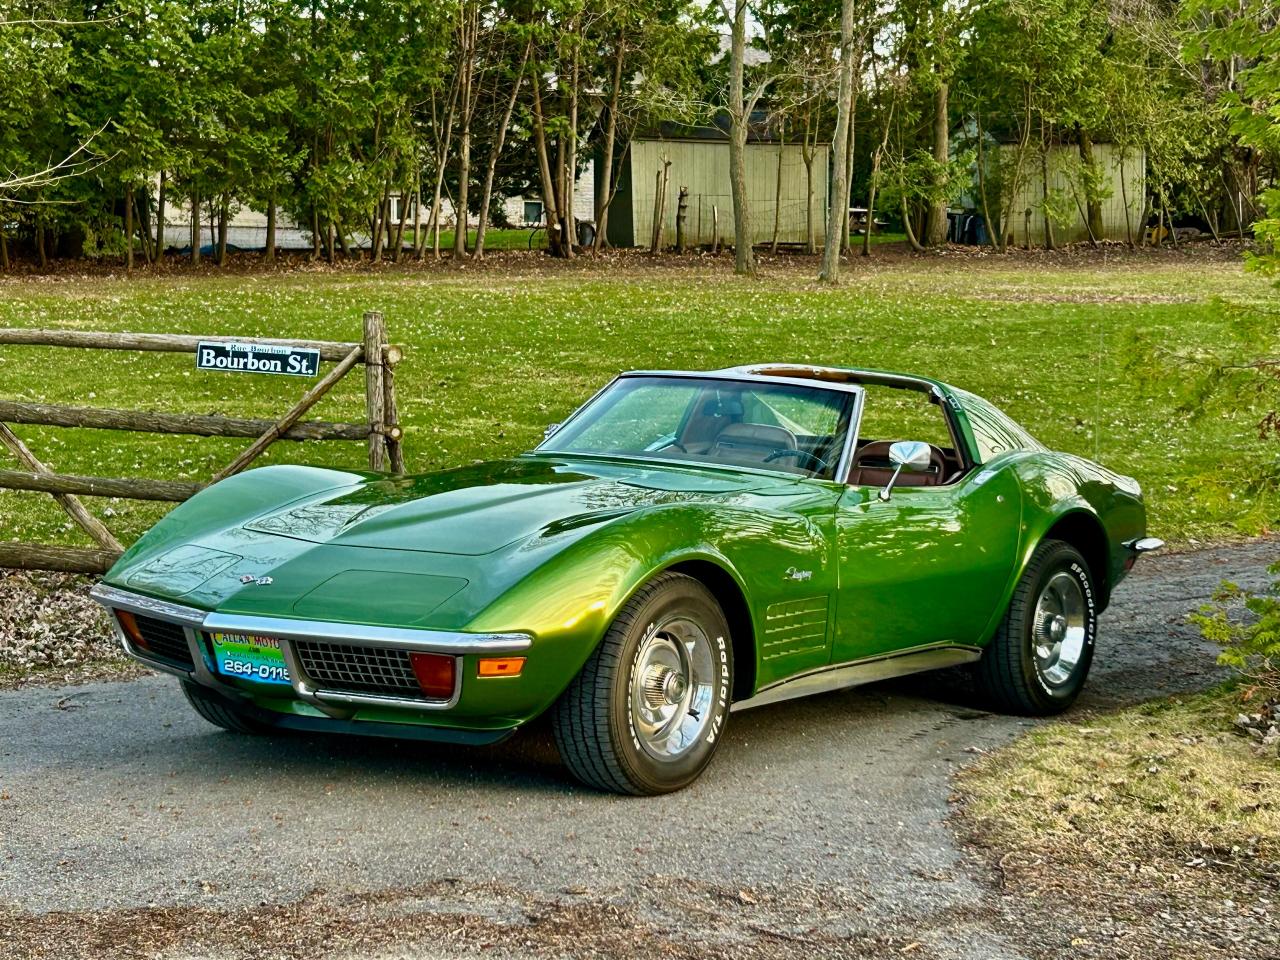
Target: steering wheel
795,452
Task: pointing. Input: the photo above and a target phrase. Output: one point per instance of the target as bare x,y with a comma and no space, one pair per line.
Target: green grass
497,352
499,239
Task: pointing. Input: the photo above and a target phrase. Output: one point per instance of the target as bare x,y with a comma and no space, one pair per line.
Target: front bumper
333,704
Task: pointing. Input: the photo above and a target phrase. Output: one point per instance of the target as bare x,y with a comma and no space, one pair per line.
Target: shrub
1250,644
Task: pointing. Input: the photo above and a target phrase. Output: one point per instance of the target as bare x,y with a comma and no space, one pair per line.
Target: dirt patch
52,632
640,263
451,918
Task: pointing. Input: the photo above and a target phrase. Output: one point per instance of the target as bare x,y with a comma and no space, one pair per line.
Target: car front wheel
647,711
1040,656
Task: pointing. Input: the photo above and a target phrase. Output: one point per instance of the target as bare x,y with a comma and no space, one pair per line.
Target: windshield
772,426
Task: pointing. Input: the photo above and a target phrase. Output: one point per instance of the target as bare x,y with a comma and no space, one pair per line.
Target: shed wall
703,167
1063,160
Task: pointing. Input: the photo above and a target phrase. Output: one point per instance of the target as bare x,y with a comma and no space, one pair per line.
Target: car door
929,565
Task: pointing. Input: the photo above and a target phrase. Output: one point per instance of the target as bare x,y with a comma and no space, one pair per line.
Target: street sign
231,357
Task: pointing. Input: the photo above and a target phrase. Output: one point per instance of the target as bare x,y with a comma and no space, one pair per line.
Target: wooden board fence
380,431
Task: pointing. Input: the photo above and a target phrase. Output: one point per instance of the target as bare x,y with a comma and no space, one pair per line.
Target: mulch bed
52,632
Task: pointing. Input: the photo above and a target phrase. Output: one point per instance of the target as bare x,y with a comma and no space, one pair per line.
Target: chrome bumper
336,703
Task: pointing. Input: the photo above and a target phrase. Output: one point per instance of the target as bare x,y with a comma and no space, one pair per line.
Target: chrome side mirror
910,455
551,428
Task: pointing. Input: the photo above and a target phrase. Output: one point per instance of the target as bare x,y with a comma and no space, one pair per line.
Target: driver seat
872,468
750,443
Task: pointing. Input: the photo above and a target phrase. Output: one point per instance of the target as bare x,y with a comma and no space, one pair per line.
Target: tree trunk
224,216
128,228
41,254
417,207
466,82
982,186
808,151
936,223
568,197
1093,206
160,213
916,245
4,247
846,231
486,193
315,233
838,205
144,231
682,215
659,207
777,194
269,252
549,212
375,229
442,159
397,242
871,203
1044,190
744,262
195,227
606,150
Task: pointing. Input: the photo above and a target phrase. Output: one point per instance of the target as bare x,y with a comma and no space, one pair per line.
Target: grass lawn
497,351
500,239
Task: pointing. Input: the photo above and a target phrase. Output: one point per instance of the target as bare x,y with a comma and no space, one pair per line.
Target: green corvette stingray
684,546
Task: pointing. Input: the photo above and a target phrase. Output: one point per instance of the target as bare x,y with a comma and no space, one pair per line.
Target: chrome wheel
1059,629
672,689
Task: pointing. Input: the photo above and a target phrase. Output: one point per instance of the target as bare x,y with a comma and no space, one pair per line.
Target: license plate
250,658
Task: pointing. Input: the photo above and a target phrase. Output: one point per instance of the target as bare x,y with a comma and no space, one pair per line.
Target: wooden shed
1124,180
700,162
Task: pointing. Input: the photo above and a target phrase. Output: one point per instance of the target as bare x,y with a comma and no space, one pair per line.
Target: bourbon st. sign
257,358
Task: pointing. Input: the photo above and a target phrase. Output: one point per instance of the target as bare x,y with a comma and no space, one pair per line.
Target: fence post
375,338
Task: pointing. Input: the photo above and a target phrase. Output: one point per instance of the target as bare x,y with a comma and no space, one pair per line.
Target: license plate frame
249,657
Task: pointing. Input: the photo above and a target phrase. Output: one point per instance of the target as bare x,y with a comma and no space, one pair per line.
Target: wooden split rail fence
381,431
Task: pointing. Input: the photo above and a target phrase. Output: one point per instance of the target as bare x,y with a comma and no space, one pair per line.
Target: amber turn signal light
435,673
501,666
130,628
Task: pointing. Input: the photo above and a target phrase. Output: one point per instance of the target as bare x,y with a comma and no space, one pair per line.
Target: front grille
344,667
165,641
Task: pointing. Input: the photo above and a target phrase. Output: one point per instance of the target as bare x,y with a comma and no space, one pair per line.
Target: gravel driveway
129,827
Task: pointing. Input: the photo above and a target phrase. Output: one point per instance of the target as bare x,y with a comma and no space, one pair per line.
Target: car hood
431,551
477,510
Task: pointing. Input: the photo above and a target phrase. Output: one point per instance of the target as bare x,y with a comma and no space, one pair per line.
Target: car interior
721,428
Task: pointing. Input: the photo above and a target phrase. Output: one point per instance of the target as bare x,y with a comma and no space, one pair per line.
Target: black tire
595,723
1010,674
221,712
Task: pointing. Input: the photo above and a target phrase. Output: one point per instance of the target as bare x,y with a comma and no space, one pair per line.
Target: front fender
569,602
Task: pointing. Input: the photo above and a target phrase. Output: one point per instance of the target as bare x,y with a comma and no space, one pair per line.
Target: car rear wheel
221,712
647,711
1039,658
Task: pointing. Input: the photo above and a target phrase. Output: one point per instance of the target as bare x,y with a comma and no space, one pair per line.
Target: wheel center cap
673,687
1058,628
664,687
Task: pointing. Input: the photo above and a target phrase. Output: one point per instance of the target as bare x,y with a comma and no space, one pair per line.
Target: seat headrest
756,435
